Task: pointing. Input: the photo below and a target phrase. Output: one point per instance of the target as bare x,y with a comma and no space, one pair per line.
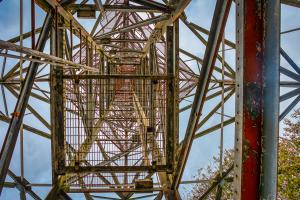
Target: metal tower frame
117,93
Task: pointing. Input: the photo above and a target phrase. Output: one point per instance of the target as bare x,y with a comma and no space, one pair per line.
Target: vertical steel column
271,95
57,108
176,85
102,84
251,83
52,105
257,99
109,85
71,40
151,131
80,46
170,96
32,24
238,100
18,114
22,192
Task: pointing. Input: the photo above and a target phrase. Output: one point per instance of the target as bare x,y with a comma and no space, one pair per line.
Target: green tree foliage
207,176
289,159
288,167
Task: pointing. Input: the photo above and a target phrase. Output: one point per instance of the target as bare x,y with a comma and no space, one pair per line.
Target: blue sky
37,149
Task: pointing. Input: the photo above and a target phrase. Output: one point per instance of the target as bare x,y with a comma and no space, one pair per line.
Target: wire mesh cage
114,128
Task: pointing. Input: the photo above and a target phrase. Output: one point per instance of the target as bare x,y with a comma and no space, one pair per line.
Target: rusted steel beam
176,83
257,109
57,101
170,60
218,24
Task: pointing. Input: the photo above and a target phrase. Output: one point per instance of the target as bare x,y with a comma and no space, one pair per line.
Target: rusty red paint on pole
252,107
257,111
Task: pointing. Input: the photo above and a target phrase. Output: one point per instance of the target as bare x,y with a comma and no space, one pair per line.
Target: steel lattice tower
116,93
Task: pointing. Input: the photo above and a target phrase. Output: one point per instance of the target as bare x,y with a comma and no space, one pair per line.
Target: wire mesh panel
104,180
115,125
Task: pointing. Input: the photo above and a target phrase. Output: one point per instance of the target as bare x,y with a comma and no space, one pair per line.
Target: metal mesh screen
99,181
114,124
